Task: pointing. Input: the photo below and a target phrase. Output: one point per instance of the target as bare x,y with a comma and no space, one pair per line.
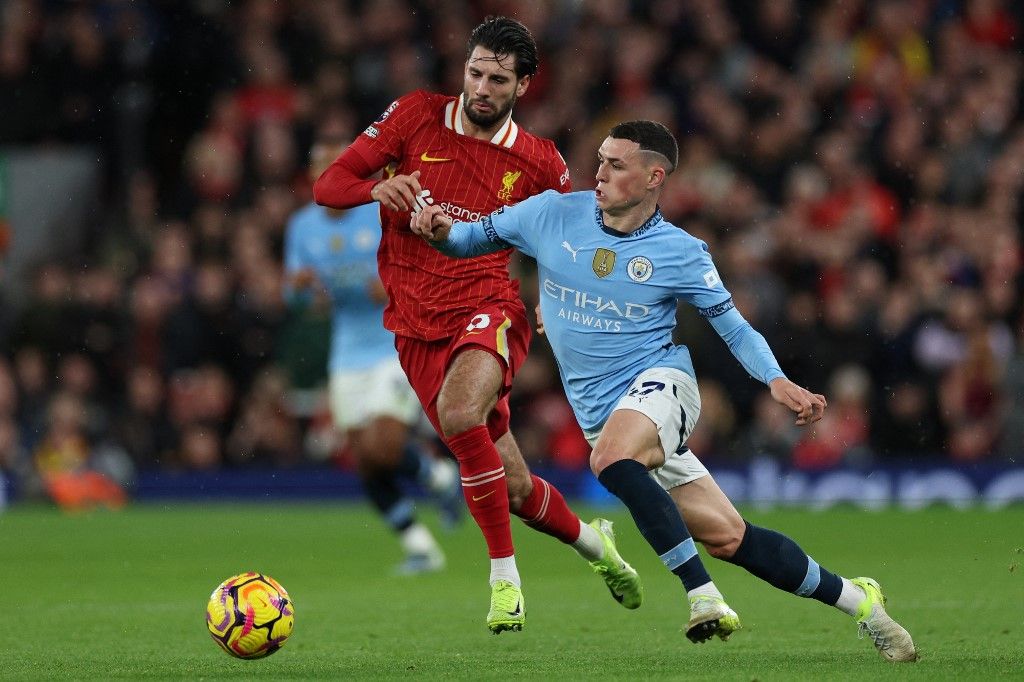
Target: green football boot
890,638
710,616
507,609
621,578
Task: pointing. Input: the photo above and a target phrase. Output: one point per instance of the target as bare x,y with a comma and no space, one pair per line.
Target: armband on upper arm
716,310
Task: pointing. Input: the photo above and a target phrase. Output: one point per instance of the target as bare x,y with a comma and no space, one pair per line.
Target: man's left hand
809,407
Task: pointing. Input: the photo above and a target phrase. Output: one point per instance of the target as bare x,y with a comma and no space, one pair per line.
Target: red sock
545,510
484,487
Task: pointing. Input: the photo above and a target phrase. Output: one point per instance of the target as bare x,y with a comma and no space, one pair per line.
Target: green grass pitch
121,595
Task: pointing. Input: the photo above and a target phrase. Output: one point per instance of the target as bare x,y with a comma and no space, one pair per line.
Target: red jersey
430,294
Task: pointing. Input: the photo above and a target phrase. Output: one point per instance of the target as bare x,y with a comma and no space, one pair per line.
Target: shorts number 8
479,322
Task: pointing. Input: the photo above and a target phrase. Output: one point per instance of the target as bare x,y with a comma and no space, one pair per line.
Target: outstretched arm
458,240
750,348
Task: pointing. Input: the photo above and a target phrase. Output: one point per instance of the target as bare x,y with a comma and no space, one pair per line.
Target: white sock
589,543
505,569
416,539
705,590
850,598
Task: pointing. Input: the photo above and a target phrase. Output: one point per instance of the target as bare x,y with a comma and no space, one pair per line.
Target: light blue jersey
342,251
609,299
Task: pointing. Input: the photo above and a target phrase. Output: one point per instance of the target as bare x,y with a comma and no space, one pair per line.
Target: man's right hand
398,193
431,223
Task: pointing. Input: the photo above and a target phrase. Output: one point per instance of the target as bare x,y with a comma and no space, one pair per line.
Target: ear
656,178
522,85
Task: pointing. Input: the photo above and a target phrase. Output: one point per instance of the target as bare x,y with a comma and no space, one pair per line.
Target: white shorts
669,397
357,397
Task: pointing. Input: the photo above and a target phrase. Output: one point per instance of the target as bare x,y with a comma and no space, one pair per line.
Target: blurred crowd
856,167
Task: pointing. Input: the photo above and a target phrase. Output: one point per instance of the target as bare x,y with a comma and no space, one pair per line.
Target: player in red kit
461,329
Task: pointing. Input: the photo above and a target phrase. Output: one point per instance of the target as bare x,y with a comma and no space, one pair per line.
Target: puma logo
568,247
477,499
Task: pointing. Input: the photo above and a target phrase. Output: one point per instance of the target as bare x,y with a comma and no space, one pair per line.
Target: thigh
484,361
388,394
345,389
627,434
503,331
473,380
657,414
424,364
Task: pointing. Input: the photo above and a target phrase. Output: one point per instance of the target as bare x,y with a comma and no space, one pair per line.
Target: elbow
321,194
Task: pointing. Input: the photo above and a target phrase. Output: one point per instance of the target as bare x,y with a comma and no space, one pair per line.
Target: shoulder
417,102
537,146
683,241
552,198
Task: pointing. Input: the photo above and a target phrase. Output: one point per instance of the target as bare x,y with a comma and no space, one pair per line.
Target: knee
602,459
725,540
457,416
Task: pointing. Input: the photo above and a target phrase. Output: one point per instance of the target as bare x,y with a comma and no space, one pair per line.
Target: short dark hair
504,36
652,137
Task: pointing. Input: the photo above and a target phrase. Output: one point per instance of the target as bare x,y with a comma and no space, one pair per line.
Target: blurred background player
334,252
612,271
461,328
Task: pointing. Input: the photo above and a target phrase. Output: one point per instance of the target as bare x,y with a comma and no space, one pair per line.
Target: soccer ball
250,615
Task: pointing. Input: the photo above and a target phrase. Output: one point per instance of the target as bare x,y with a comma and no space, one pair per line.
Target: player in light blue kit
370,398
611,271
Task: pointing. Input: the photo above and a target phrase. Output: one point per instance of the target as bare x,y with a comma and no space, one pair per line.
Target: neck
629,219
471,129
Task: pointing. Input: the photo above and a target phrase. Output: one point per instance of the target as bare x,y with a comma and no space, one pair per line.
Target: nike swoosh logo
477,499
519,609
430,159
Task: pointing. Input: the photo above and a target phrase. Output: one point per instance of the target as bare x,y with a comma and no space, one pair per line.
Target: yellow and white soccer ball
250,615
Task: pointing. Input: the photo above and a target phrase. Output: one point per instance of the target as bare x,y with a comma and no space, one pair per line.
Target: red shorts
502,330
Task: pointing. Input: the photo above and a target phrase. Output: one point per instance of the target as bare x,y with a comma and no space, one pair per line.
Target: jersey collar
505,137
648,224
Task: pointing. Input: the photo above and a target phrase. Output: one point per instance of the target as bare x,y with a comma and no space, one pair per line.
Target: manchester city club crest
604,261
639,269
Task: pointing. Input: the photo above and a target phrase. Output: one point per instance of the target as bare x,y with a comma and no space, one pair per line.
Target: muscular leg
769,555
710,516
628,447
541,506
468,394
